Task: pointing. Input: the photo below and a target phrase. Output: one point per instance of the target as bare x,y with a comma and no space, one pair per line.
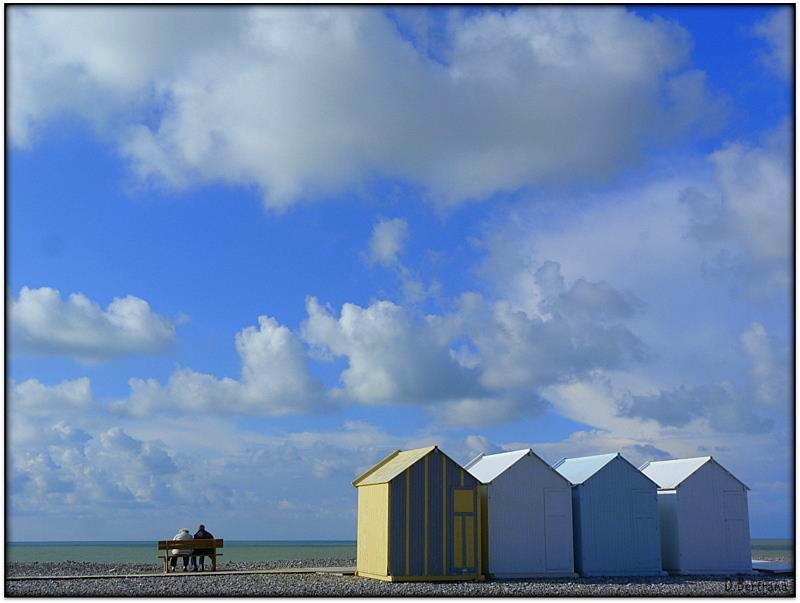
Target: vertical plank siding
435,536
713,533
422,520
417,517
397,527
526,535
372,543
618,529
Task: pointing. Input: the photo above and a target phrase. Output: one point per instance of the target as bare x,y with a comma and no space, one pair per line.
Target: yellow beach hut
418,519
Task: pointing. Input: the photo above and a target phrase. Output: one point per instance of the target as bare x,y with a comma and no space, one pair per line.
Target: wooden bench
206,544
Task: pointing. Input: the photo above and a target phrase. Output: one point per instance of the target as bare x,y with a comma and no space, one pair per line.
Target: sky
251,251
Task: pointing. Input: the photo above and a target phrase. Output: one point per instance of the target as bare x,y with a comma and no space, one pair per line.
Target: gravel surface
299,585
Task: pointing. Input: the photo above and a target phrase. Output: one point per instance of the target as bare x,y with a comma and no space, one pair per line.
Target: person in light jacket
184,553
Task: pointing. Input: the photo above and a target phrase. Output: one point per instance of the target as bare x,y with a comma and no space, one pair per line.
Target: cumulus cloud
103,472
265,96
32,397
62,453
769,371
384,248
517,350
744,226
43,323
482,362
725,408
630,403
776,31
99,63
393,356
387,240
274,380
37,411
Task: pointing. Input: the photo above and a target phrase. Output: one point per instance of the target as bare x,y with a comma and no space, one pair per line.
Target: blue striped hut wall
422,516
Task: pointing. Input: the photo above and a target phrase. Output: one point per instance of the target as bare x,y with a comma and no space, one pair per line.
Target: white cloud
716,238
482,412
776,30
769,368
514,350
478,444
385,246
744,225
387,240
394,357
725,408
32,397
62,452
303,101
274,380
725,217
43,323
103,472
99,63
483,362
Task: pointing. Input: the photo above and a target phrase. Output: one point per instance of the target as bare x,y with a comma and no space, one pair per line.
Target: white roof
577,470
670,474
486,467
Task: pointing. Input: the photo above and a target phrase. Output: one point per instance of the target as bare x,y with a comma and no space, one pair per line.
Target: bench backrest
198,543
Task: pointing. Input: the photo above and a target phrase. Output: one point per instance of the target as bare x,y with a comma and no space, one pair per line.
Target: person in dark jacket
201,553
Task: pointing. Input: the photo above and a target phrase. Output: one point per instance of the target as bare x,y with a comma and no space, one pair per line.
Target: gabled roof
486,467
577,470
671,474
392,466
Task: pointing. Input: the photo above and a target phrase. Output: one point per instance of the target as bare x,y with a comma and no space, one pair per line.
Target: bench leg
166,564
213,563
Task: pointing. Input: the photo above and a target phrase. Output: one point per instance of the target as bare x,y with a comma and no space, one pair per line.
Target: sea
245,550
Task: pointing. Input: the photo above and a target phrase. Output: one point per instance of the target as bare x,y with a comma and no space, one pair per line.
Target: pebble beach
310,585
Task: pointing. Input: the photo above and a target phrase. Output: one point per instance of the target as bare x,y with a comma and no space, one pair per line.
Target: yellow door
464,545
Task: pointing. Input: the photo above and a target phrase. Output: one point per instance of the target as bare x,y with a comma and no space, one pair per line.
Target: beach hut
705,528
614,517
418,519
527,516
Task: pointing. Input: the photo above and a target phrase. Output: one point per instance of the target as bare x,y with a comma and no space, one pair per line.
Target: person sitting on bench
184,553
201,553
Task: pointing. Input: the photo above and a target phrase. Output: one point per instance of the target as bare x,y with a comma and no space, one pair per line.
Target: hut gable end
672,474
392,466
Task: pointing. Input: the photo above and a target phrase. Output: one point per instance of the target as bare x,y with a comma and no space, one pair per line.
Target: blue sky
250,251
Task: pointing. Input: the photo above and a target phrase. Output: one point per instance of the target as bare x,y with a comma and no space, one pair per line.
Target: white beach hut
528,519
705,528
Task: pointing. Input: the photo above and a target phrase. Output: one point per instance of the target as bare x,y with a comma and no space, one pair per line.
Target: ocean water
242,550
769,547
146,552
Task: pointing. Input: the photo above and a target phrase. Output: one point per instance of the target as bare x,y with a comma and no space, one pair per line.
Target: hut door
557,527
464,520
645,529
737,548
